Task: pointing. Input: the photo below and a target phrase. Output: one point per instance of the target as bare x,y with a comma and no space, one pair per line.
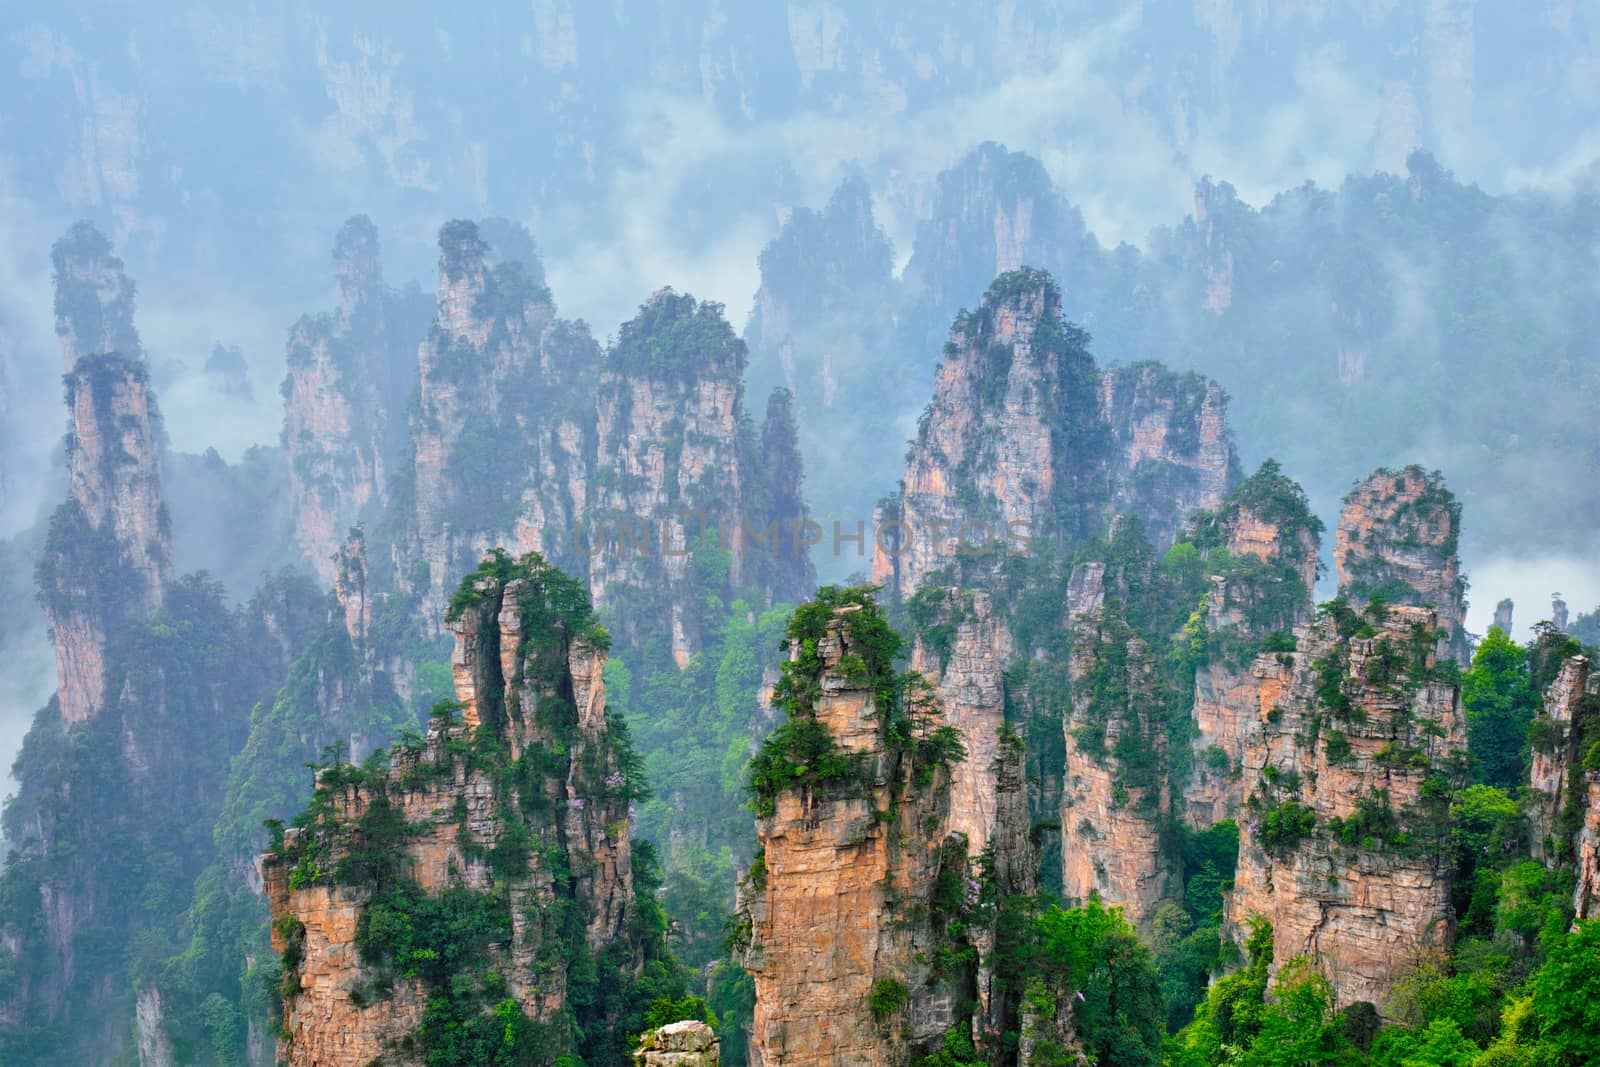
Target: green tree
1091,957
1300,1027
1565,1013
1500,702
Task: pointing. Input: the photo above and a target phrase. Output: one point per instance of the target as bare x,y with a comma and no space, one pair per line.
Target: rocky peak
1173,452
994,212
94,298
1341,844
685,483
1262,546
357,265
1216,207
1503,614
108,558
852,800
1011,448
349,374
539,858
1397,539
504,429
821,264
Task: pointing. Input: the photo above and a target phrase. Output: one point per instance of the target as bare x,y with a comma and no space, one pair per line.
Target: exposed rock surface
972,692
1115,803
525,673
1269,539
1397,538
1173,452
670,407
503,432
114,518
1340,846
1025,443
1555,762
94,302
839,906
687,1044
349,373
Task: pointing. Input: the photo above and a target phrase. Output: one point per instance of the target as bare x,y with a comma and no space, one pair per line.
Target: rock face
502,435
1262,546
823,266
349,374
1115,803
1340,847
1397,539
843,919
972,692
687,1044
1564,785
685,488
670,405
1012,432
114,516
554,843
94,302
1173,454
1025,443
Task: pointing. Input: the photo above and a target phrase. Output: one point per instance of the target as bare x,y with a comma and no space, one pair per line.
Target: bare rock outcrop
1173,451
503,432
445,818
113,526
1343,839
1397,539
686,1044
844,923
94,298
1262,546
1115,804
349,373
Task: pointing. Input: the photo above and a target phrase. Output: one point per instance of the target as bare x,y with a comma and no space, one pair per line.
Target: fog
663,144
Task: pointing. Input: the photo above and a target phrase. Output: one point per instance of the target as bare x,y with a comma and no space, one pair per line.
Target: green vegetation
676,338
800,753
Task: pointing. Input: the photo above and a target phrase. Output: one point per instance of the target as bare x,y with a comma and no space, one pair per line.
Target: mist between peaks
684,531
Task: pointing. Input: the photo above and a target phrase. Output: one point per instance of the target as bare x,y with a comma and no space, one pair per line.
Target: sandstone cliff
860,882
1115,806
1563,797
1261,547
1344,845
502,437
1397,538
108,559
1025,444
1011,449
684,503
94,298
1173,454
349,374
502,837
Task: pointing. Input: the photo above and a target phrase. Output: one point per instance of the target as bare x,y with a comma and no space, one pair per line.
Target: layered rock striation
502,437
1397,539
350,372
859,879
502,834
1344,842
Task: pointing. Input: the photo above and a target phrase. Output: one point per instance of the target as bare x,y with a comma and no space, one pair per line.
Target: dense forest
824,537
